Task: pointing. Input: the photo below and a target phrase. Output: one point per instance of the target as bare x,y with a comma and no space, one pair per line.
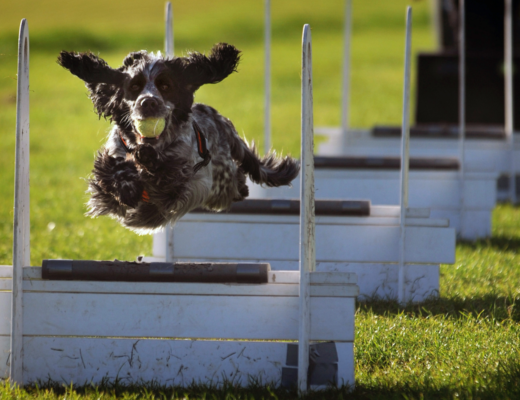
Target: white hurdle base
86,331
168,362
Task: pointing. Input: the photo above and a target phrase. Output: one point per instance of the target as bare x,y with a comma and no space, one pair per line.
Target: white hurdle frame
345,89
168,37
307,223
405,153
169,49
111,336
21,239
405,128
267,78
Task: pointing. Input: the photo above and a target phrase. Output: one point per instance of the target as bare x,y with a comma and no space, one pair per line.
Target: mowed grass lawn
464,345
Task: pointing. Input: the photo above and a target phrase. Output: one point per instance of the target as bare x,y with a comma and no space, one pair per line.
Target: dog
165,154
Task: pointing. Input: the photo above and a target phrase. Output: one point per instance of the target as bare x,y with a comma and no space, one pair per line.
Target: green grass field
464,345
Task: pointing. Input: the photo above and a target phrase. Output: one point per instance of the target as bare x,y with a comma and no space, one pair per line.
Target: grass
464,345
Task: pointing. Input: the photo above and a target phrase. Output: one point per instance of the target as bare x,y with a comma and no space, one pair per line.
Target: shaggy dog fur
145,182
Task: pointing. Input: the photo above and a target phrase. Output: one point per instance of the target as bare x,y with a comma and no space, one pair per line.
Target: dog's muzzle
150,117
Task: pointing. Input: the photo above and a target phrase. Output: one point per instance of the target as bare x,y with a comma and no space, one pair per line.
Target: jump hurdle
365,245
353,236
86,331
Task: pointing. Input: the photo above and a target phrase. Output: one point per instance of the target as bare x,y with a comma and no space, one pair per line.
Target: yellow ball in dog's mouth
150,127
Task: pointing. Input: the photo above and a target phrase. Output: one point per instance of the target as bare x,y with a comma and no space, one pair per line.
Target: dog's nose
149,103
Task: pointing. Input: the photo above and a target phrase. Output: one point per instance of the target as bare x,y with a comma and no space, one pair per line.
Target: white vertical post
462,108
307,228
168,40
405,152
21,243
345,92
267,83
509,113
169,48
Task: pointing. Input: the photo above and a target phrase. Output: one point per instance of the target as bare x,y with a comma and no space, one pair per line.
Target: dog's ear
108,101
90,68
200,69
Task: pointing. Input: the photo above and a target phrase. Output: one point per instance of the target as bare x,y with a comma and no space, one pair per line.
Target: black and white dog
165,155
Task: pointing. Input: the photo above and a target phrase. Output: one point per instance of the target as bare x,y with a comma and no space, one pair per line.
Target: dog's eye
164,87
135,87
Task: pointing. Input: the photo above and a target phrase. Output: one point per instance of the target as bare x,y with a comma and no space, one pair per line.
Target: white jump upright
169,49
267,77
168,38
307,226
345,89
405,152
21,242
174,333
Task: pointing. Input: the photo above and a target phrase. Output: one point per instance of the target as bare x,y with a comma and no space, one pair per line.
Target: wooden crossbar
89,270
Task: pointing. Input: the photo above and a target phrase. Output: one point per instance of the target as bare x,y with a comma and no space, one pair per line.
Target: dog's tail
270,170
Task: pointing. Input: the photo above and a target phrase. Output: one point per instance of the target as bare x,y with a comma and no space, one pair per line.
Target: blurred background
66,133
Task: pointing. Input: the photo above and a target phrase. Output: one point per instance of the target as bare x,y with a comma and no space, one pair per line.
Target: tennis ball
150,127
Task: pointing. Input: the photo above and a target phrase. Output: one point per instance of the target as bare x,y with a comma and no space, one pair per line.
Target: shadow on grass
496,307
504,384
498,242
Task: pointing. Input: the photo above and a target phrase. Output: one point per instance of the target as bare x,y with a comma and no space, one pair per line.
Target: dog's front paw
147,157
129,193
